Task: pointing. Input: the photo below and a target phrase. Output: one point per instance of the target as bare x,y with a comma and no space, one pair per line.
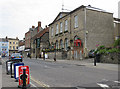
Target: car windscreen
16,54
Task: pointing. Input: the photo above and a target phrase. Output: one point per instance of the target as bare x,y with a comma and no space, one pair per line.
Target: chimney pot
33,26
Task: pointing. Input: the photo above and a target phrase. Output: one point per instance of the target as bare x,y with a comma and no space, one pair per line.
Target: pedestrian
54,59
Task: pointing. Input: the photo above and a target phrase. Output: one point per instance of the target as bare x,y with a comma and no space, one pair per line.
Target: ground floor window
66,44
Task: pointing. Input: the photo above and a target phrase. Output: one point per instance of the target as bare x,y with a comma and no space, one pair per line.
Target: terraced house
13,45
79,31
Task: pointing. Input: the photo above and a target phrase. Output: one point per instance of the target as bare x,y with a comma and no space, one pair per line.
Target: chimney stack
33,26
45,26
39,24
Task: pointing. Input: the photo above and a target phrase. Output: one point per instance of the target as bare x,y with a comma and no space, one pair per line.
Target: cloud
17,16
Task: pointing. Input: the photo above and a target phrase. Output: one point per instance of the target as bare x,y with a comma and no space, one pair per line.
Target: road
63,74
56,74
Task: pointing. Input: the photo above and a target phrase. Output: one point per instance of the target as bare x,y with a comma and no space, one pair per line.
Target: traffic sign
16,69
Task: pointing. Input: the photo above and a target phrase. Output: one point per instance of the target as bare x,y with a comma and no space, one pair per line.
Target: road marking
103,85
32,84
40,83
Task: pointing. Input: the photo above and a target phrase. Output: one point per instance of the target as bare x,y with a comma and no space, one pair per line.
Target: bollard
11,69
95,61
24,79
54,59
8,67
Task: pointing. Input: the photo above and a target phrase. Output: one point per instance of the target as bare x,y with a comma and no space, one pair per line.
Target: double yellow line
40,83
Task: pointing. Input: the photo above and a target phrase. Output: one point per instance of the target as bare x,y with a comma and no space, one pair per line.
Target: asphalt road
55,74
63,74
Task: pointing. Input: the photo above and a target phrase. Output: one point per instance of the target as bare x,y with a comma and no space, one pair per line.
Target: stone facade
91,25
34,36
110,58
13,45
116,28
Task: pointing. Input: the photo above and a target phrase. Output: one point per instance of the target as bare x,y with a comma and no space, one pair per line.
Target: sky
17,16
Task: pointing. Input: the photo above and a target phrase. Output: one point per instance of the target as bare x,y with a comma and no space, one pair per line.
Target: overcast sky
17,16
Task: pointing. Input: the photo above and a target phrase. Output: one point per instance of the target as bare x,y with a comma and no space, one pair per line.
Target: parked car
16,57
91,53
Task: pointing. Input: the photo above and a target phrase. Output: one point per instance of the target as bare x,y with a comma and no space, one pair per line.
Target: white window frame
61,26
57,46
76,21
66,25
61,44
66,44
52,31
56,28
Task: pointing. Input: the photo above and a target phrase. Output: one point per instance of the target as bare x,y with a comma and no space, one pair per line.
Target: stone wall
110,58
59,55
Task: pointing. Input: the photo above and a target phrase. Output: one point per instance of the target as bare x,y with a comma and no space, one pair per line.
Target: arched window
56,44
61,44
52,45
66,44
76,37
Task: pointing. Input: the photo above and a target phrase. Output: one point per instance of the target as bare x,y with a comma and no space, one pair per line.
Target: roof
12,39
3,40
82,6
41,33
59,15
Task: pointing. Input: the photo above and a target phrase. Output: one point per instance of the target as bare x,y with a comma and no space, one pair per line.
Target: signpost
24,75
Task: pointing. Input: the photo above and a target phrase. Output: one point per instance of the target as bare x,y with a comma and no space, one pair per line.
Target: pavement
7,81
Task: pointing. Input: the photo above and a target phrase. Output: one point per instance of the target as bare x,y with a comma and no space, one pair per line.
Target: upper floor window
10,42
52,31
66,25
61,27
57,29
16,42
13,42
76,21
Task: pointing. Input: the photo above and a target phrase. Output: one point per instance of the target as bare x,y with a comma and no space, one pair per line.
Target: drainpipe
70,39
85,48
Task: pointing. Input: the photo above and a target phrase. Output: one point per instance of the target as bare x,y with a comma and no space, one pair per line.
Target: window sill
65,31
56,34
60,33
75,27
